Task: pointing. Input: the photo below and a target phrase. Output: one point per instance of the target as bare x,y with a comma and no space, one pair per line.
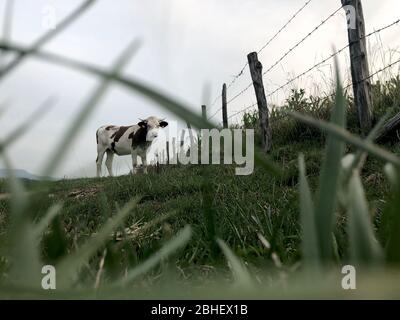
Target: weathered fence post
359,63
256,75
204,112
224,107
182,139
167,150
191,137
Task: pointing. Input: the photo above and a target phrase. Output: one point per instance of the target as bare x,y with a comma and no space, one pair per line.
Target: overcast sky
187,45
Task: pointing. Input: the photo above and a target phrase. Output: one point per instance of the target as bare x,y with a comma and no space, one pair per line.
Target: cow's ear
163,124
142,124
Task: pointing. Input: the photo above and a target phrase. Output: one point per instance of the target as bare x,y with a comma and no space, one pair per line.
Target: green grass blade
392,175
364,248
239,271
23,128
24,255
390,225
7,24
329,178
169,248
69,267
376,130
346,136
207,194
361,156
41,226
86,111
23,246
311,255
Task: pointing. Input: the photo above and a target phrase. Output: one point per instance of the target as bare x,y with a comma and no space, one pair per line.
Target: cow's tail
97,141
97,136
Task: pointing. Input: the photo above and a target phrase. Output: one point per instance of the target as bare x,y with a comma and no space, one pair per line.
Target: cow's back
116,138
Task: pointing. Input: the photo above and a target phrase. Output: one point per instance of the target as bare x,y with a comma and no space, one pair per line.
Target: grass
245,207
175,189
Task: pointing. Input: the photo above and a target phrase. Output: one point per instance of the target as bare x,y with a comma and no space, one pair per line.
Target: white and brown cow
132,140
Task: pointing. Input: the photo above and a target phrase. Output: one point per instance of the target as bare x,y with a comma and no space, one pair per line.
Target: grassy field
257,217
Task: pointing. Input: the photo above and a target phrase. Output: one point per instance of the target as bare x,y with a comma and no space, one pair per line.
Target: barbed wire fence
322,62
358,58
282,57
242,70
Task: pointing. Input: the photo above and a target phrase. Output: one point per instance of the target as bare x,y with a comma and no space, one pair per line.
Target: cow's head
152,125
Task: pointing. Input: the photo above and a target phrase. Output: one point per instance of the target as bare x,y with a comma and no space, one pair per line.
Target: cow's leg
109,162
99,160
134,161
144,162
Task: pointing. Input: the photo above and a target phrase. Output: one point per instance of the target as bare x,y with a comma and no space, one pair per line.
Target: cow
132,140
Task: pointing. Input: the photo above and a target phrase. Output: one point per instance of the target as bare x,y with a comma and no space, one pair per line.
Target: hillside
244,207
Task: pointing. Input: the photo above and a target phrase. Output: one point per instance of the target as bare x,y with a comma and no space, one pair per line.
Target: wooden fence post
167,150
163,157
256,75
174,152
182,139
204,112
191,137
224,107
359,64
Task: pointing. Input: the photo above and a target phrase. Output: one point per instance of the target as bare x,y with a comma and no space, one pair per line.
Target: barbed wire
241,72
285,55
332,56
371,75
270,41
302,40
332,95
243,110
232,99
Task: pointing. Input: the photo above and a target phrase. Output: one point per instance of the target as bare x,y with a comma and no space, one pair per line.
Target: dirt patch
138,232
83,193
